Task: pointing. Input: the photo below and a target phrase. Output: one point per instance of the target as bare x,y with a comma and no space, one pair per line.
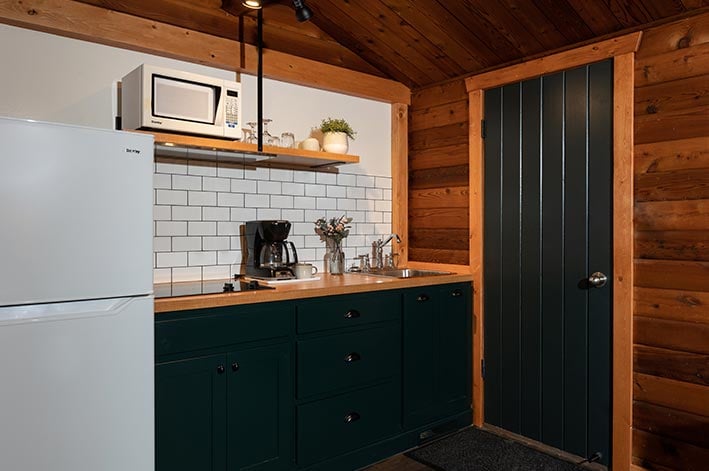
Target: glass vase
337,259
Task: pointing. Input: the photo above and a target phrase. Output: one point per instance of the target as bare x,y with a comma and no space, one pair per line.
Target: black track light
302,12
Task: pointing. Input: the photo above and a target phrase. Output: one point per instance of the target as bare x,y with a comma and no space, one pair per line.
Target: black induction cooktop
194,288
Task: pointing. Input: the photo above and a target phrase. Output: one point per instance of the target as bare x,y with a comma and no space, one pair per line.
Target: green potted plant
335,135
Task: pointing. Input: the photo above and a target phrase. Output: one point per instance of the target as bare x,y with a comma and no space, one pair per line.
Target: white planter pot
335,142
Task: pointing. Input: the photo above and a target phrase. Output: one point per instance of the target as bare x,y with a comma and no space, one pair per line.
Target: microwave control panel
232,114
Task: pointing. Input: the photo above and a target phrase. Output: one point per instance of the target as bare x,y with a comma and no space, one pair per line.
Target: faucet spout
382,244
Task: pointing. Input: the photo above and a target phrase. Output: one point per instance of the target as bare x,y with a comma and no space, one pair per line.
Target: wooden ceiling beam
95,24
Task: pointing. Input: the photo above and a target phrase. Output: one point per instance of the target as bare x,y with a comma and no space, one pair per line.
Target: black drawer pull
352,314
235,366
351,417
456,293
221,369
350,357
422,298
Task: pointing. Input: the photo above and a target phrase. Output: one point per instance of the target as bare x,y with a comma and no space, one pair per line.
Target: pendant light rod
259,80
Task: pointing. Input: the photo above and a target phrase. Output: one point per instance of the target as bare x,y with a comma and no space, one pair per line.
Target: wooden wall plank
679,64
451,134
691,184
441,115
678,395
435,238
434,157
443,256
682,426
438,177
90,23
672,245
687,123
666,98
666,156
672,274
672,335
692,215
440,94
427,218
673,364
681,35
685,306
669,452
449,197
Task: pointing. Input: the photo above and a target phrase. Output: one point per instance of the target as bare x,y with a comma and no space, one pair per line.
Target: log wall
671,322
438,196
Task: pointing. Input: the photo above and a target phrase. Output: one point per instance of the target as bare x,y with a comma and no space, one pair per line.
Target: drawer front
216,327
344,360
342,423
349,310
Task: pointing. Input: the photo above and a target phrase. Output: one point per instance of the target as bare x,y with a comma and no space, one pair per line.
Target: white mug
304,270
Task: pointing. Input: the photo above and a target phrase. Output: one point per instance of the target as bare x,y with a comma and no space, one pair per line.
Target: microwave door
183,100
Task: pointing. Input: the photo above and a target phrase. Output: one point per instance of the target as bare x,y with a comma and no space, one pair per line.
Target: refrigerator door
77,386
76,210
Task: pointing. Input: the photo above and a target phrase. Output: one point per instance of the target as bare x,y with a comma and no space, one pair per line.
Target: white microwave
171,100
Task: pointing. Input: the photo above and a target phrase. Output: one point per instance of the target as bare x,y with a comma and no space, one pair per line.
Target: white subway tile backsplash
171,197
186,182
215,214
186,244
202,198
257,201
216,184
202,228
186,213
216,243
171,259
201,258
200,209
170,228
230,200
334,191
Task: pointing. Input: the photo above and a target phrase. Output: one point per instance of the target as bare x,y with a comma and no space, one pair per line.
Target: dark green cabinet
231,409
437,352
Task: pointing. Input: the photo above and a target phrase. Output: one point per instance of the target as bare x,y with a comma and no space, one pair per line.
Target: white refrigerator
76,304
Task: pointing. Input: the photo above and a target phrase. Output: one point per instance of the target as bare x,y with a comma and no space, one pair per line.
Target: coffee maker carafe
270,255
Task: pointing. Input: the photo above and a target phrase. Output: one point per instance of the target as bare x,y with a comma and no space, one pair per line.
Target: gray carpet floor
473,449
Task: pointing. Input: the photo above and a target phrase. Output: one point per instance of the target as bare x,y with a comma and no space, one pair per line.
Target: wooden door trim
622,50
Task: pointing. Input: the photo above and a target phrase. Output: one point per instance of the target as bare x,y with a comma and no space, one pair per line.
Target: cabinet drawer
348,310
217,327
342,423
343,360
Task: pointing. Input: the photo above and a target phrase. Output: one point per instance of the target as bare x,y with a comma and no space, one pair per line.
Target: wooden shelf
237,151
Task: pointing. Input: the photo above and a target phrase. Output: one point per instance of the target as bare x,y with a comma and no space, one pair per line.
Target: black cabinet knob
352,314
235,366
456,293
221,369
350,357
351,417
422,298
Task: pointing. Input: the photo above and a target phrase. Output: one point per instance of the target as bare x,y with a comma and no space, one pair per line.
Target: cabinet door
437,353
190,420
260,409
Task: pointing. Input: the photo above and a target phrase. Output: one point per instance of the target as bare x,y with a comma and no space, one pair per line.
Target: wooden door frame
622,50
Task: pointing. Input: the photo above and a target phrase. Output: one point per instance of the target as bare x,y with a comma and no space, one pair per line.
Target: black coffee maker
270,255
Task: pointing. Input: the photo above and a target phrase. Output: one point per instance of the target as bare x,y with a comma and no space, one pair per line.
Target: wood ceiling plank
90,23
597,15
470,52
368,22
565,19
533,19
502,26
664,8
630,13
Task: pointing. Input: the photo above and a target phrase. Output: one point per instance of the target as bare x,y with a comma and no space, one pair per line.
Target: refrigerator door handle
31,313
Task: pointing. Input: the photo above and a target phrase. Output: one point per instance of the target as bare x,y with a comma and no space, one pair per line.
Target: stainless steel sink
404,273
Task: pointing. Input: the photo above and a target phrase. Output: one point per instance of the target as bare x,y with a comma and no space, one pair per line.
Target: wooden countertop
327,285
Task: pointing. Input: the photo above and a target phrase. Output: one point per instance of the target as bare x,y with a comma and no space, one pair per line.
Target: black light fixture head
253,4
302,12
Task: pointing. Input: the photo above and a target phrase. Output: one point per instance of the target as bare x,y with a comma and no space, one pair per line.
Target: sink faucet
377,252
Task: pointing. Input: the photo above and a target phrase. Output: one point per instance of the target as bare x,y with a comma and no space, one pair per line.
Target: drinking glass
253,125
266,135
288,140
248,136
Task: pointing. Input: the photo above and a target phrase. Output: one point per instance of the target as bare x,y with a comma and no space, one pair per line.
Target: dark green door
436,347
547,229
260,409
190,414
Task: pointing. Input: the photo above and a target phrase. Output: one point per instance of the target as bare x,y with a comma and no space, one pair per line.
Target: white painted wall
53,78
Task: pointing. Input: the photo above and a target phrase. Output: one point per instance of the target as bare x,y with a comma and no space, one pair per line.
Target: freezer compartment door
77,389
76,213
